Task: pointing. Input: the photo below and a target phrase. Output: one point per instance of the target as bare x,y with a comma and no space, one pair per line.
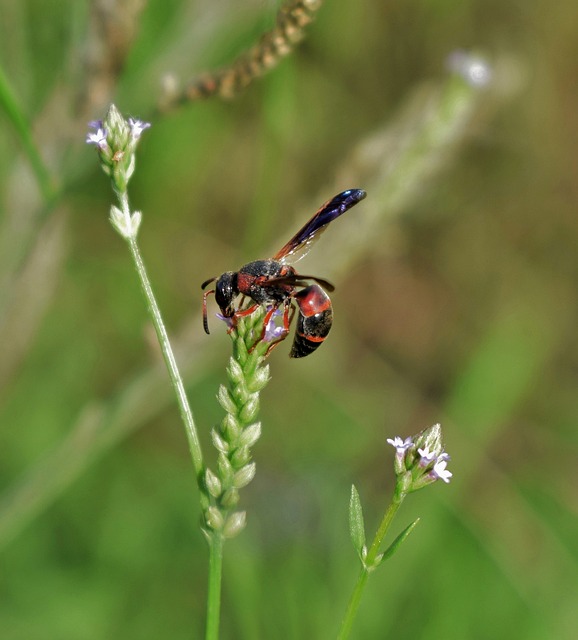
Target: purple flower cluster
421,460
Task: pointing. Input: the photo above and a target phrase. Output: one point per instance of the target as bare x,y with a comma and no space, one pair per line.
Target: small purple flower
228,321
402,448
274,332
436,463
440,471
420,460
99,137
427,457
399,444
137,127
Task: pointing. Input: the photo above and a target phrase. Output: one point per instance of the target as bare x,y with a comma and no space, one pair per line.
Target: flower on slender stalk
420,460
472,68
116,139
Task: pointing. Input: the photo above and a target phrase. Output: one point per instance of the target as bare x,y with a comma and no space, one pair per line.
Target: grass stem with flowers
116,140
247,375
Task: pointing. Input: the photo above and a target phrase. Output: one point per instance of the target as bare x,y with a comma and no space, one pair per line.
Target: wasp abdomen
314,321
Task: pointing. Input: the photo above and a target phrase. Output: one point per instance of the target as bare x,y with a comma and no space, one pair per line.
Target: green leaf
394,546
356,524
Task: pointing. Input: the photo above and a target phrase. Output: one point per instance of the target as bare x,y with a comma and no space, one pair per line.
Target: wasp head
225,292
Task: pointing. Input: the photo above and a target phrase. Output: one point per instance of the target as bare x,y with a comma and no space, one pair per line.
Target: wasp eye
225,292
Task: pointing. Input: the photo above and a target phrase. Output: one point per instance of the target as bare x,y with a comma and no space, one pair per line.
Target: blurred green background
455,303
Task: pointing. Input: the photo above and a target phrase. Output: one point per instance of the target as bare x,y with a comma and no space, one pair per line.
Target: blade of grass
22,129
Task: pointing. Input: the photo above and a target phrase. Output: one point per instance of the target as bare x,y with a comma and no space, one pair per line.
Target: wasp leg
232,320
246,312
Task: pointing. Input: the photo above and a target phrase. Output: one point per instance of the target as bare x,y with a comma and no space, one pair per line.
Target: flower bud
119,222
430,440
136,219
226,471
250,435
214,519
218,442
235,371
230,428
259,379
244,476
235,524
240,393
225,400
241,457
212,483
241,353
230,498
251,408
117,127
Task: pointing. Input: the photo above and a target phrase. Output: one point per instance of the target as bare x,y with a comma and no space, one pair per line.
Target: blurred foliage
463,311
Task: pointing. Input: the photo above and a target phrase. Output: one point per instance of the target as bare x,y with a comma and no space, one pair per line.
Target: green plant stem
21,126
215,538
175,376
353,605
214,586
383,529
368,567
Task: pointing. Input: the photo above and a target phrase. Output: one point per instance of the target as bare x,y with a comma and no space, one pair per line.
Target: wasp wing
301,242
298,280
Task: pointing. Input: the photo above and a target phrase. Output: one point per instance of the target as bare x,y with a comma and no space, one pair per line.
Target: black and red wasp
275,282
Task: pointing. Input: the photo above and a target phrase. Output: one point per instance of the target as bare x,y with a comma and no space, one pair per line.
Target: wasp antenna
205,321
206,282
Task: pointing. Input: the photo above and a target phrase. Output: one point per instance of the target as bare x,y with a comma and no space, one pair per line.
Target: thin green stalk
116,139
367,567
353,605
420,460
21,126
383,529
214,586
176,380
